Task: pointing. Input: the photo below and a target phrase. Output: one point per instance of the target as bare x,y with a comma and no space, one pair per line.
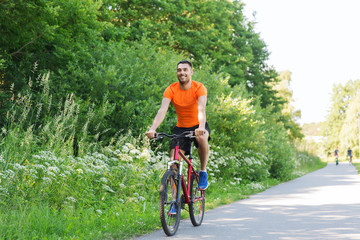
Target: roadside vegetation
341,128
357,165
81,87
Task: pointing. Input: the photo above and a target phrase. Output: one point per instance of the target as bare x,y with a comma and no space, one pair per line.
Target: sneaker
172,210
203,183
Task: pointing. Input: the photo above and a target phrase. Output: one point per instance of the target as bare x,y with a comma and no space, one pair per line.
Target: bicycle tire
169,223
196,207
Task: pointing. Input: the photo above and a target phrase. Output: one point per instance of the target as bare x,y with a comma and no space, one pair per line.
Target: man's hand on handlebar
200,132
151,133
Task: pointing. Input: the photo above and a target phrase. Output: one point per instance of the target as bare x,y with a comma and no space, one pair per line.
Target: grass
357,165
118,221
121,220
43,222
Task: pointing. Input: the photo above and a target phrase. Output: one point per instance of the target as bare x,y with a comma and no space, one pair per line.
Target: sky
318,41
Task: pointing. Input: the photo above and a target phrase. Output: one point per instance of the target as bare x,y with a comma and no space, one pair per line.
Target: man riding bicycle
349,153
189,100
336,154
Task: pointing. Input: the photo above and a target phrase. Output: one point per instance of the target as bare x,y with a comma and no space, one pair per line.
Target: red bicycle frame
186,189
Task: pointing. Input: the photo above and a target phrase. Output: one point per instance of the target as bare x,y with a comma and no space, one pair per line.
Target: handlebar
187,134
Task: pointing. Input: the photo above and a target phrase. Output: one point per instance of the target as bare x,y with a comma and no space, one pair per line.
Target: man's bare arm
202,113
159,118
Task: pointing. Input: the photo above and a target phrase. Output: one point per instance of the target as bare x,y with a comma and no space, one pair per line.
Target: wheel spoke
197,205
167,201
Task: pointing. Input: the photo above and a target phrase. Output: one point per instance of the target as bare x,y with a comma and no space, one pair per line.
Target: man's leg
203,151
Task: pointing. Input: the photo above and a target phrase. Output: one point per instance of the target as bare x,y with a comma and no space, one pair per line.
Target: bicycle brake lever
191,134
158,137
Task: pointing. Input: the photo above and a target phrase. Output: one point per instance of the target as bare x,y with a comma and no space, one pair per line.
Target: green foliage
306,162
81,43
342,125
59,33
279,148
54,27
202,29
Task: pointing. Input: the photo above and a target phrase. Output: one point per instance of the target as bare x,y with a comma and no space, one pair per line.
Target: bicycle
337,160
171,184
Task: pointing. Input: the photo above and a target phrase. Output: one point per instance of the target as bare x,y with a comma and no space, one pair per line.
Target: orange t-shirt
185,102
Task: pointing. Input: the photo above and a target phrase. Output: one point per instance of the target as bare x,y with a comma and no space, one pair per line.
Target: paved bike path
324,204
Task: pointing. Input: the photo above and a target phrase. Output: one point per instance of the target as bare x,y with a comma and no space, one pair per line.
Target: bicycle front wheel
169,204
197,204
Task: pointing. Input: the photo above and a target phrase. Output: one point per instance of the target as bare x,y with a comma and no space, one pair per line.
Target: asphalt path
324,204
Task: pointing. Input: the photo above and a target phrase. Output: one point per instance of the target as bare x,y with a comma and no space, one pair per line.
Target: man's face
184,73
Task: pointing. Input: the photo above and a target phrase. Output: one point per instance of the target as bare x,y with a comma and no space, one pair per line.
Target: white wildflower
10,173
135,152
40,167
71,199
256,186
54,169
145,154
100,156
248,161
124,149
51,174
129,145
17,166
47,180
117,152
104,180
107,188
89,171
125,157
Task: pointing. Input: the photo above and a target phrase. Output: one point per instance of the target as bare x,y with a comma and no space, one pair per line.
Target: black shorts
184,143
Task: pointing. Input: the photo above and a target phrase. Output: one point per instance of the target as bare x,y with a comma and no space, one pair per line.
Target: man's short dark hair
185,62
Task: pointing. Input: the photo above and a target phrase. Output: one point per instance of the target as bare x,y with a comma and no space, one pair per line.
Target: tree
341,122
289,115
203,30
49,35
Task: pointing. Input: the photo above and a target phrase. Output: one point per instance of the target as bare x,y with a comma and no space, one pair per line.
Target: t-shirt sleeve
168,93
201,91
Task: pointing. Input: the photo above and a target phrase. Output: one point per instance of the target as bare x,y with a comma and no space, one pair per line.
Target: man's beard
183,81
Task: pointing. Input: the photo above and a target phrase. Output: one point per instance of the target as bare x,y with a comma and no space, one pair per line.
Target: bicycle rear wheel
169,195
197,204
